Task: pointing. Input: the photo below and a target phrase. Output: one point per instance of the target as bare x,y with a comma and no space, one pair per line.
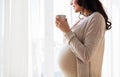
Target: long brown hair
93,6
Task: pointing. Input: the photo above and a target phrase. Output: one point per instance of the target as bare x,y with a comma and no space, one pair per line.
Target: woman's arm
94,34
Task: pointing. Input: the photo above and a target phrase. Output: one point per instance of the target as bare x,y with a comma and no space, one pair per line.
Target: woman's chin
76,11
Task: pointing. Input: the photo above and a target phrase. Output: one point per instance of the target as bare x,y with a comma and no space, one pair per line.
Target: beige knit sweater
83,54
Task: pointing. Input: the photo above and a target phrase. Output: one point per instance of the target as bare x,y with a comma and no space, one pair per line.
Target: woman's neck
87,13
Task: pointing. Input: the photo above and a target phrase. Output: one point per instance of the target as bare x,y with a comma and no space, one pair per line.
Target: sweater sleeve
93,35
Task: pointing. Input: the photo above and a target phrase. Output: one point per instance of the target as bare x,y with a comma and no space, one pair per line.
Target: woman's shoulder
96,15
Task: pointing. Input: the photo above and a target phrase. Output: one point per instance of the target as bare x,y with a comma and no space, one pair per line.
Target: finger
57,17
57,23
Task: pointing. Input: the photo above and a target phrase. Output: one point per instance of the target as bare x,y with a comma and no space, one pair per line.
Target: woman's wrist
67,31
69,36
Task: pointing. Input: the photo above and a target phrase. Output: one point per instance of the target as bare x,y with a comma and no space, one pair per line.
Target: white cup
62,16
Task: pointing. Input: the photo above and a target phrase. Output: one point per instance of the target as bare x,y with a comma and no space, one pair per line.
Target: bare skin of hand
62,25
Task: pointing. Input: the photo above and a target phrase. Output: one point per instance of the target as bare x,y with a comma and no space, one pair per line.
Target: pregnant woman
83,52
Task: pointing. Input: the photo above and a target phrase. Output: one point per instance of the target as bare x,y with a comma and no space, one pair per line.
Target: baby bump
67,62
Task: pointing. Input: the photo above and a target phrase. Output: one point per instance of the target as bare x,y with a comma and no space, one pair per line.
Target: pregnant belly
67,62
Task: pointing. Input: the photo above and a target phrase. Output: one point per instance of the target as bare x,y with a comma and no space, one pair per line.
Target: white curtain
15,38
111,64
1,38
30,43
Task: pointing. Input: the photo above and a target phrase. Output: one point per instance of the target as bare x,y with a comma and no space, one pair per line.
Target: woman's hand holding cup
62,24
